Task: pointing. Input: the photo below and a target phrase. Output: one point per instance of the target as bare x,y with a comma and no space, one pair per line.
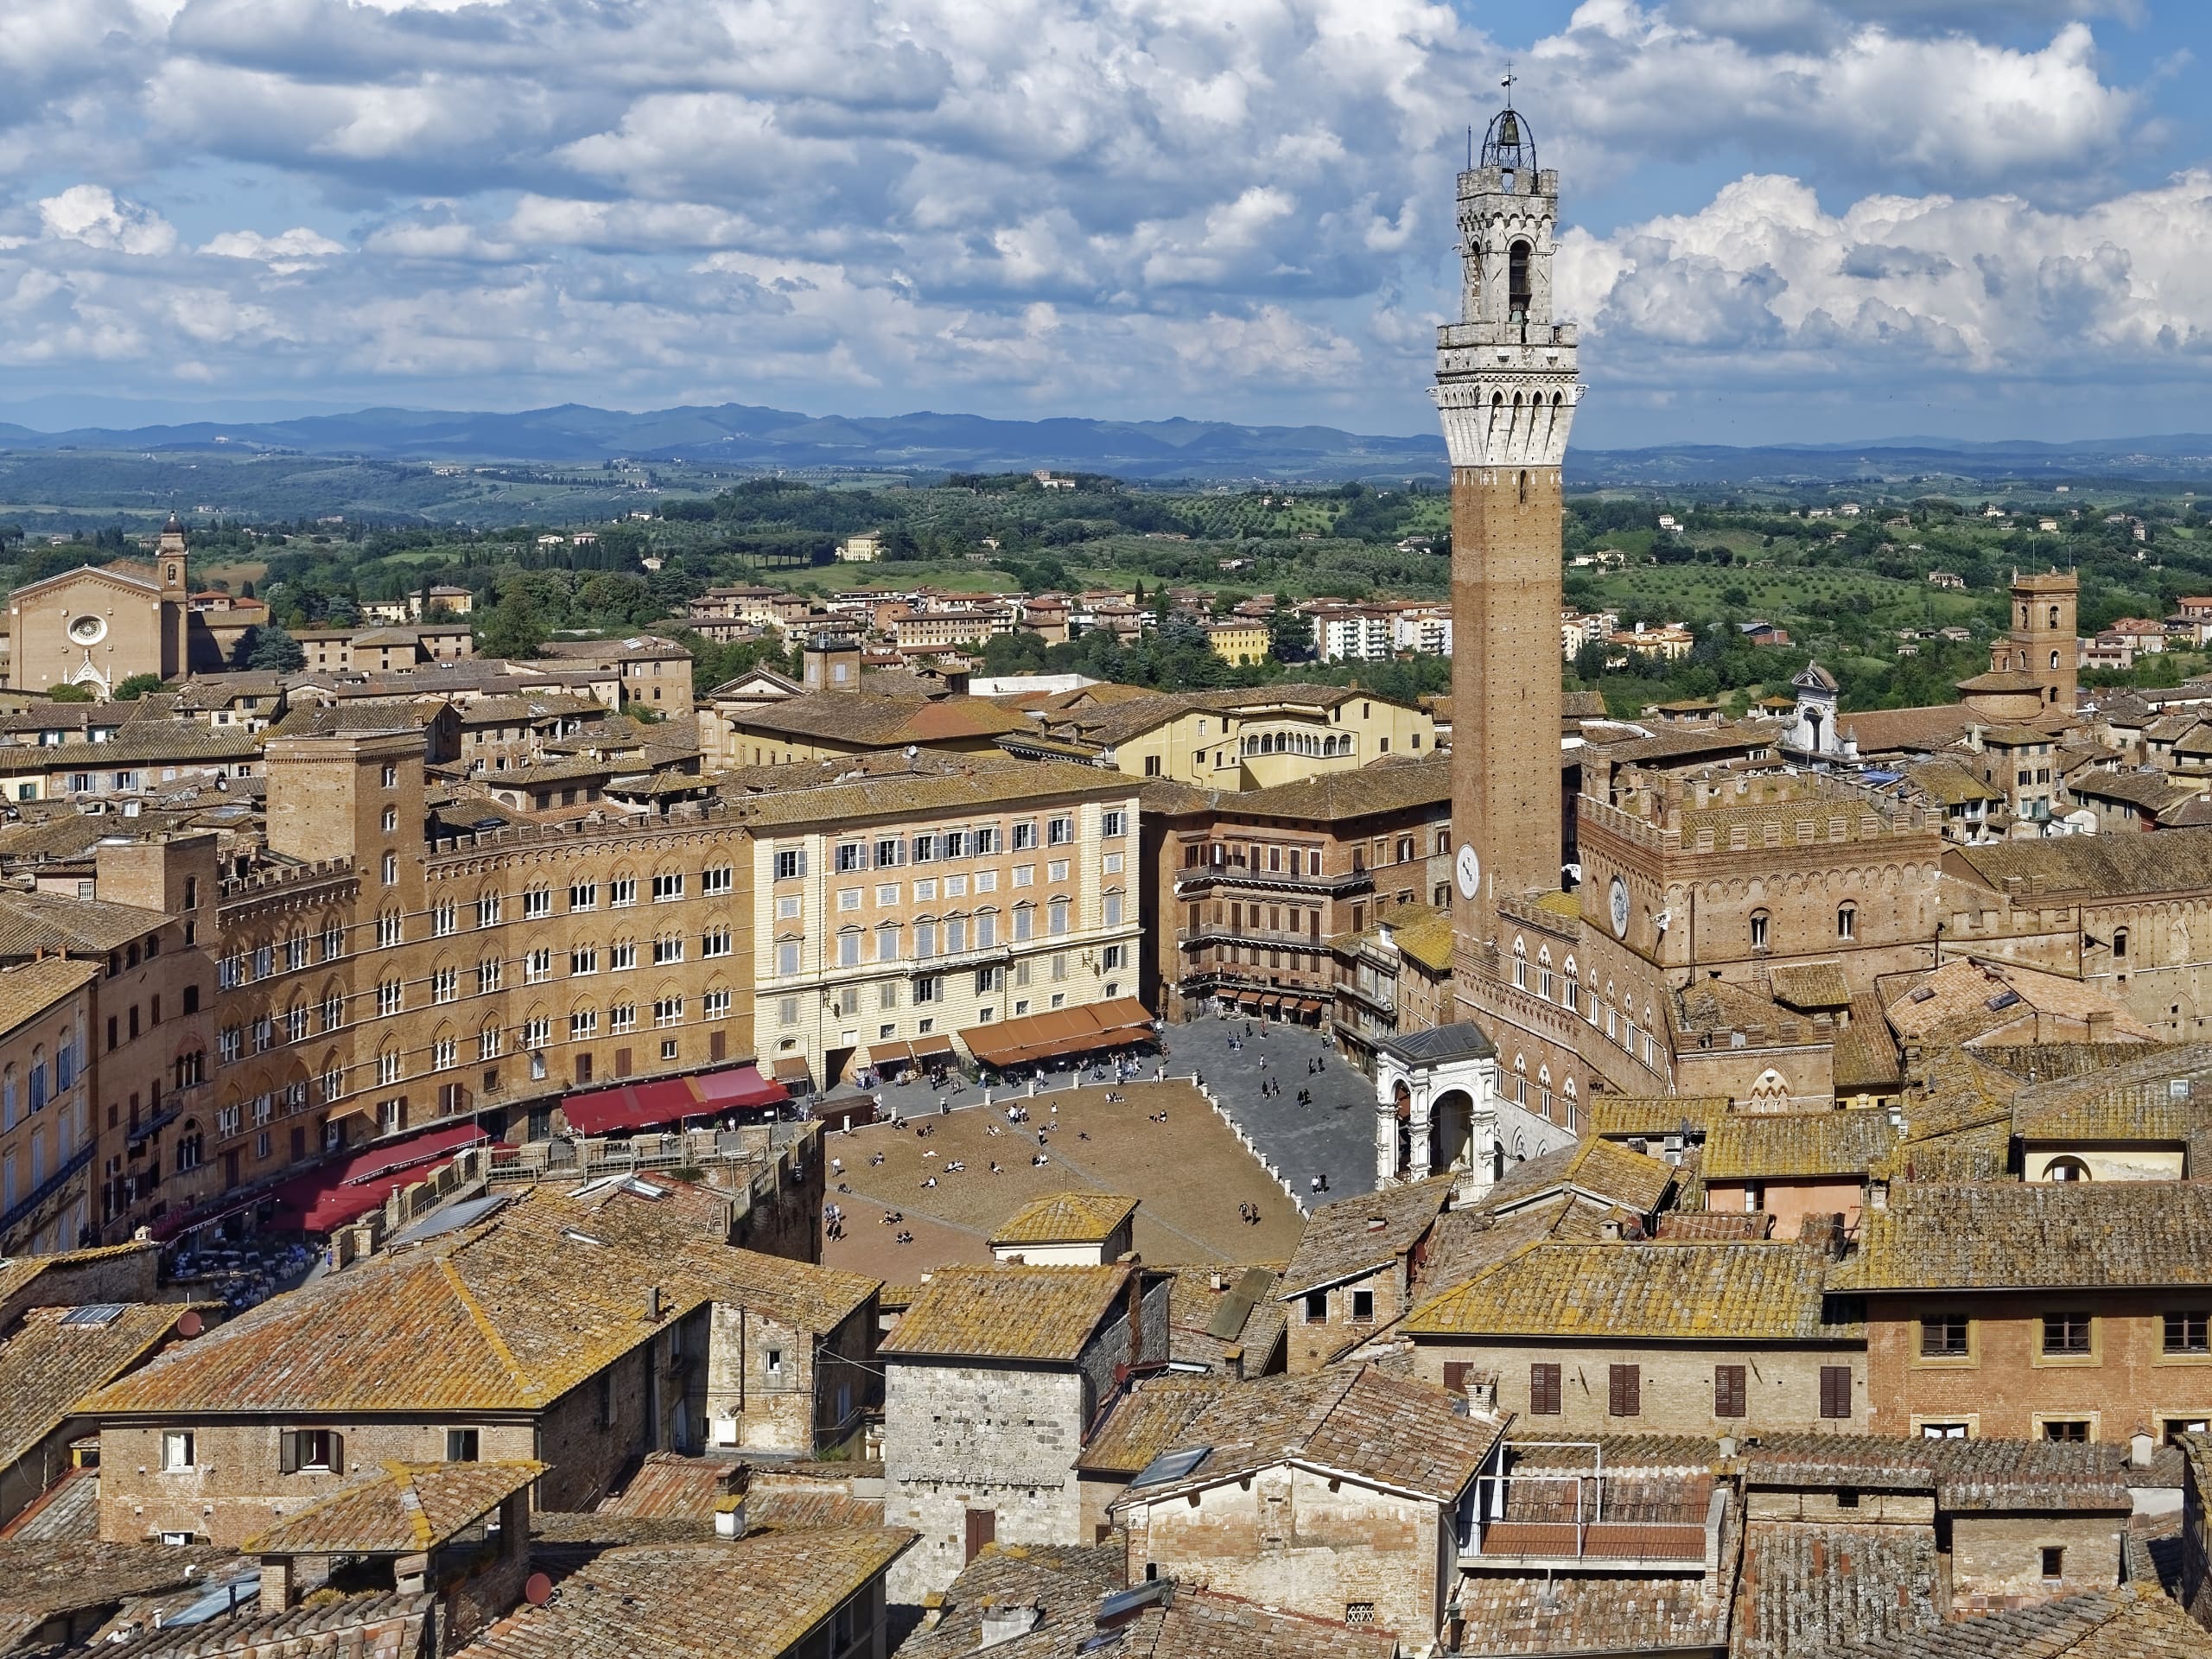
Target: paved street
1334,1136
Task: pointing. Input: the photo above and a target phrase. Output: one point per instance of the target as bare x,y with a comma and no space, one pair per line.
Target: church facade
98,625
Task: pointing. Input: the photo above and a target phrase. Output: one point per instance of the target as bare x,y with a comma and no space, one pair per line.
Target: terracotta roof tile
2122,1624
758,1595
1344,1239
1763,1146
1733,1291
2013,1234
1073,1218
1007,1312
401,1509
1357,1421
1807,1589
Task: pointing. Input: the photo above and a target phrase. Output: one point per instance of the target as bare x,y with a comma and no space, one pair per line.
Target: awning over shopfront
1057,1032
883,1054
793,1071
669,1100
934,1046
325,1199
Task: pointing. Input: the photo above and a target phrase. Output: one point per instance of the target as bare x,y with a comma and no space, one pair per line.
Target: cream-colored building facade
894,913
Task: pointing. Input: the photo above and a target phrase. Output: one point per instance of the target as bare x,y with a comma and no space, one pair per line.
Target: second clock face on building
1616,900
1469,871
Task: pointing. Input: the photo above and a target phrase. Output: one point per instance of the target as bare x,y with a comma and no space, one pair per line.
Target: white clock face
1617,901
1470,871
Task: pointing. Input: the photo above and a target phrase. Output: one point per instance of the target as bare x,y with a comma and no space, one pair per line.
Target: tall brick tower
1506,389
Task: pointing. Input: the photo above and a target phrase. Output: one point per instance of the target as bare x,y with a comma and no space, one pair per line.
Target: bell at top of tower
1508,144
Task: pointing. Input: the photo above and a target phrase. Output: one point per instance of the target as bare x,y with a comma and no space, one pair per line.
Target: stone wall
958,1438
1294,1539
1782,1385
1997,1560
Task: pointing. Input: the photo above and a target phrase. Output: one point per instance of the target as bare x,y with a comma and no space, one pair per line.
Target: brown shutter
983,1529
1728,1390
1543,1390
337,1453
287,1452
1624,1391
1455,1374
1835,1390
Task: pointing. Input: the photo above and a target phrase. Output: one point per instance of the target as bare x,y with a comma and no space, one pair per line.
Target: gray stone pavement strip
1334,1136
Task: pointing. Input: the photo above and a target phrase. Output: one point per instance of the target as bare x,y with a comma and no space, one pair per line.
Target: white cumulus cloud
96,217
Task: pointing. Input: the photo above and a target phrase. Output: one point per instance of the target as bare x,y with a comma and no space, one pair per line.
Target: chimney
2101,1024
1003,1621
729,1515
656,1306
1481,1392
1610,1230
2142,1446
1727,1447
1877,1195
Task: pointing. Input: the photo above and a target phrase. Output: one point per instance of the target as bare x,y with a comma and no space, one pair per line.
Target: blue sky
1794,219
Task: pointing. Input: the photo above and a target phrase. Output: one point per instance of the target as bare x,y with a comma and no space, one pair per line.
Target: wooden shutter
1728,1390
1543,1390
1835,1390
982,1529
1624,1391
1455,1374
337,1453
287,1452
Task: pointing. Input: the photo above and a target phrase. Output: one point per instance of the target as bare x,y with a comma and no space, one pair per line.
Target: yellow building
1238,642
1250,739
908,917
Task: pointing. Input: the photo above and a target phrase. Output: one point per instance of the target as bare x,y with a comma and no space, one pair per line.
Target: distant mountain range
746,436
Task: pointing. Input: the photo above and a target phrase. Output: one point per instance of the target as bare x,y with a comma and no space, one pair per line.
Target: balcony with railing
27,1207
1580,1513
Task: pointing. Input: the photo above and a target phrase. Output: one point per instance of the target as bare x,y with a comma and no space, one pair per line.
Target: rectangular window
790,864
176,1449
1316,1307
715,942
1114,823
1728,1390
1624,1391
1543,1390
668,1011
1363,1308
668,947
2066,1431
852,855
1835,1391
1059,832
487,910
985,841
714,1005
622,1017
2186,1333
926,849
537,966
1025,834
462,1445
2066,1335
787,957
718,880
1056,921
2054,1560
1944,1336
583,959
621,956
890,852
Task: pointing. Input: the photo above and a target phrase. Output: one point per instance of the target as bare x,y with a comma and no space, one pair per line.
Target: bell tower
1506,389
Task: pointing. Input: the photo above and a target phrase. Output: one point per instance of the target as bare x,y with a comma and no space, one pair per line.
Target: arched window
1759,929
2066,1169
1846,921
1524,489
2054,659
1521,963
2054,623
1516,282
1771,1090
2120,944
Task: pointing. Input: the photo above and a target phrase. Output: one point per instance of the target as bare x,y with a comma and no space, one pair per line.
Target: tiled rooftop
2009,1235
1357,1421
1809,1590
1007,1312
398,1509
1733,1291
1071,1217
755,1596
1774,1146
1343,1239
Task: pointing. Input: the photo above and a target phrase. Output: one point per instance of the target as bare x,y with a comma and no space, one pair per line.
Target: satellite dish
537,1589
189,1324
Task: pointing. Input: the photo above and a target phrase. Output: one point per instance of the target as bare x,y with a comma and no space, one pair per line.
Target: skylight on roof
1171,1466
94,1315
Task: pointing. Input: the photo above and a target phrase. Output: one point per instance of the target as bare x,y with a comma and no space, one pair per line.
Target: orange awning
1059,1033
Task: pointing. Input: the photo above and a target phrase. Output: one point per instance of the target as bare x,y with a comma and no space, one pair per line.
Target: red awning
741,1085
669,1100
329,1197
